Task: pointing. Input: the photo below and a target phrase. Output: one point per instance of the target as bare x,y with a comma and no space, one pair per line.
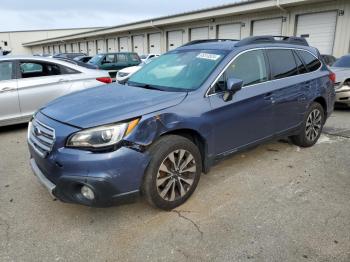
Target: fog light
87,192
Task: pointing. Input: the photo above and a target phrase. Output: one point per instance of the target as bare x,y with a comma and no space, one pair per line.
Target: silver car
341,68
28,83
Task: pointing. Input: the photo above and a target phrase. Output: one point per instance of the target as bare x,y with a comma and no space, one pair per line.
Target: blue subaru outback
176,117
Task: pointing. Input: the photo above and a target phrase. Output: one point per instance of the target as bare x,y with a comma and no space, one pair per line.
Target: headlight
102,136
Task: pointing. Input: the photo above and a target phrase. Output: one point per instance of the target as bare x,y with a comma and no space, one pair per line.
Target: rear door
39,83
288,94
9,103
248,117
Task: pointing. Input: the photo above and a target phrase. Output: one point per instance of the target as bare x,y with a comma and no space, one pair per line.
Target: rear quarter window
311,62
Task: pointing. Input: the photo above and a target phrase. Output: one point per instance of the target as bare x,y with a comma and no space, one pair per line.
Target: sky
54,14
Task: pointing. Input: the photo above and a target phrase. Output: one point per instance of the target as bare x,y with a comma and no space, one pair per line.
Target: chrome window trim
254,49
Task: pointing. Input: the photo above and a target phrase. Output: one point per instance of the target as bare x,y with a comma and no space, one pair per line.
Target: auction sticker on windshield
208,56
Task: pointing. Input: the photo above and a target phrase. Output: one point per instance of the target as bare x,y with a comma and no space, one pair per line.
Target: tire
173,172
312,126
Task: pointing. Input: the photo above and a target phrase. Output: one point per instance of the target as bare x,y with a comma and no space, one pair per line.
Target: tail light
332,77
106,80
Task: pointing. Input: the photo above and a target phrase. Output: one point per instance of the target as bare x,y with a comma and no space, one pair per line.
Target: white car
341,68
124,74
145,58
28,83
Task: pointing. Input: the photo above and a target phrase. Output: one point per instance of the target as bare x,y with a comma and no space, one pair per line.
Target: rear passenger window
311,62
38,69
300,66
121,58
282,63
5,71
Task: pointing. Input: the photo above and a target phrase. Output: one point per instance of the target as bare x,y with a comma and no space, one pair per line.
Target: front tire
173,172
312,126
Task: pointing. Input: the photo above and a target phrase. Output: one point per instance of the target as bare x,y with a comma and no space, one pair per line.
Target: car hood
109,104
341,73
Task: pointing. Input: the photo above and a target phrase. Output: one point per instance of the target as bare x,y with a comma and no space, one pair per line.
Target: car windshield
342,62
178,70
95,59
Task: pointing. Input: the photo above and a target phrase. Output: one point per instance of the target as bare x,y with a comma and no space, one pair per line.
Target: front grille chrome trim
41,137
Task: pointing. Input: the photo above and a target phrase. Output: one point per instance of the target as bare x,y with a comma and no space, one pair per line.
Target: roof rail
269,39
208,41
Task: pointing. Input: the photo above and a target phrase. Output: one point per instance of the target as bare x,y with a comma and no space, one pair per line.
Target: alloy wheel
176,175
313,125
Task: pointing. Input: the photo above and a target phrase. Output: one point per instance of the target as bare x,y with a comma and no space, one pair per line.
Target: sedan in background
28,83
341,68
124,74
68,55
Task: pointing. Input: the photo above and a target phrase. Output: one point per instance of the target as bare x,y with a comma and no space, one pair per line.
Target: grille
41,137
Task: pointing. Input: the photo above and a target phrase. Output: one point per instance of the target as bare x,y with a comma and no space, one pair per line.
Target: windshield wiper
146,86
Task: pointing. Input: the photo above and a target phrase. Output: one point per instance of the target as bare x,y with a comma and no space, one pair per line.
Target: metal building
325,24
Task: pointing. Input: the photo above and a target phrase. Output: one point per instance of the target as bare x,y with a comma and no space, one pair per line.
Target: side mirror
233,85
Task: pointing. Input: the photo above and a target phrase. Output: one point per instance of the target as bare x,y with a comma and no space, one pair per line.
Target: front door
249,116
9,103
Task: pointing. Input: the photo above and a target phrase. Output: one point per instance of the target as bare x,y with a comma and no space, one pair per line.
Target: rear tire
312,126
173,172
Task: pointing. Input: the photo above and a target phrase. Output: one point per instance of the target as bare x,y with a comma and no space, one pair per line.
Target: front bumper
115,177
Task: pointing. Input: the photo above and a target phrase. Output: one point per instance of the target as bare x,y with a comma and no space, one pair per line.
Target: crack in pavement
190,220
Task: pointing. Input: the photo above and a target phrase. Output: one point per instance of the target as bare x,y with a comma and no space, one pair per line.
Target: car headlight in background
102,136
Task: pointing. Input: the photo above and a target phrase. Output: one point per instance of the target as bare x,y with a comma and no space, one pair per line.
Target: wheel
311,128
173,172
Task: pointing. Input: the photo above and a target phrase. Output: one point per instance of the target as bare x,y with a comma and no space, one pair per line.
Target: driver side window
249,67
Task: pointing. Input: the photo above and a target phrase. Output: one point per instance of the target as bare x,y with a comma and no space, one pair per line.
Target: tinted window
5,71
135,58
249,67
343,62
109,59
300,66
38,69
311,62
282,63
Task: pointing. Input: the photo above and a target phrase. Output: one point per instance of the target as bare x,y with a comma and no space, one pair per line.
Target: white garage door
199,33
45,50
91,48
319,30
75,48
62,48
56,49
229,31
175,39
267,27
111,45
101,46
123,44
154,43
138,44
69,48
83,47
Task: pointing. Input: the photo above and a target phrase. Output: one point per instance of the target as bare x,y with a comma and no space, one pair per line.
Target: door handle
6,89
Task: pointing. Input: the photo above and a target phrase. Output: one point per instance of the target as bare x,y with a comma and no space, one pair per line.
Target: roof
54,29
